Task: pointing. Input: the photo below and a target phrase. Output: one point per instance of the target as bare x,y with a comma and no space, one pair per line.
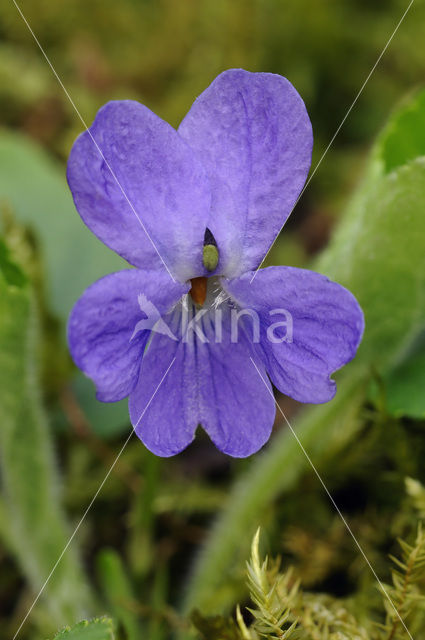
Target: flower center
210,257
198,290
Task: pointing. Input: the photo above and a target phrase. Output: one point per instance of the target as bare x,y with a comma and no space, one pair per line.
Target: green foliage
407,606
323,431
34,186
273,596
416,491
214,627
73,257
378,253
404,385
282,611
98,629
116,585
9,270
106,420
403,139
35,529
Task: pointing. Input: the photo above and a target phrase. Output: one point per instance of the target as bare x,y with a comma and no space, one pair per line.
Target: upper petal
254,136
104,337
139,188
322,331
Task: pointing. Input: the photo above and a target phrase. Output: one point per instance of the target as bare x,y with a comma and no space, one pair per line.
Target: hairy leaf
35,187
35,528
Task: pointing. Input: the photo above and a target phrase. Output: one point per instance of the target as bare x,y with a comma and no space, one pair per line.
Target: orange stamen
199,290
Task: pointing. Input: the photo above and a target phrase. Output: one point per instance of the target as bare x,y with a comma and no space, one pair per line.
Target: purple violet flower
189,334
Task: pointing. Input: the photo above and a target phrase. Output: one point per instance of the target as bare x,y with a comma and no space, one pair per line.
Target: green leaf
215,627
378,253
118,590
10,271
34,185
404,386
35,529
403,139
98,629
107,419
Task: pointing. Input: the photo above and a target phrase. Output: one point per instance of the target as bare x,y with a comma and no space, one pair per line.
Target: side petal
108,331
139,188
237,408
310,327
253,134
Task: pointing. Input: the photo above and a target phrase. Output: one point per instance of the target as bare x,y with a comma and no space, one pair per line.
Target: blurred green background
136,551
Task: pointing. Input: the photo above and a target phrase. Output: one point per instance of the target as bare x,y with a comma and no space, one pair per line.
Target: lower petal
221,386
237,407
164,404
